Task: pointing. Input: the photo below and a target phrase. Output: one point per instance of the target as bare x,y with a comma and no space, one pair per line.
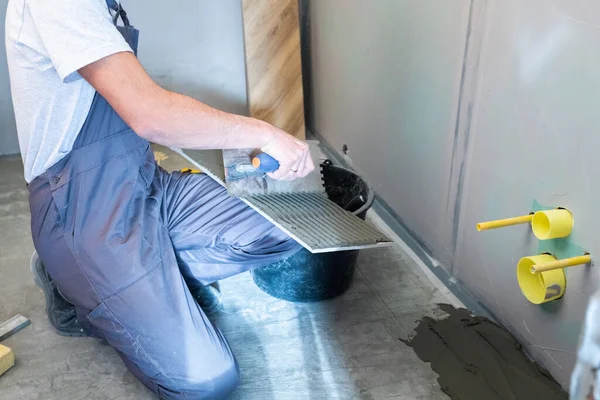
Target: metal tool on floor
190,171
7,329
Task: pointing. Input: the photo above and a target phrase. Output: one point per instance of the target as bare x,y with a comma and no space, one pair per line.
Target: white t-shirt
47,42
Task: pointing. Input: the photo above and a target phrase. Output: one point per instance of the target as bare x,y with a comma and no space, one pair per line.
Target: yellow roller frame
546,224
559,264
500,223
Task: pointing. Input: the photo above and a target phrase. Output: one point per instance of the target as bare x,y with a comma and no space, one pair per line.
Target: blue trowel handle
265,163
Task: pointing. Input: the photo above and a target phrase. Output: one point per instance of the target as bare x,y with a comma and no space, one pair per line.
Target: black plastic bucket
307,277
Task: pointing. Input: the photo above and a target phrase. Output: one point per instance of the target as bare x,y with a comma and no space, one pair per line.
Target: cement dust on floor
345,348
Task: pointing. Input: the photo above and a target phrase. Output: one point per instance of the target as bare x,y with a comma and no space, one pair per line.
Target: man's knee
197,386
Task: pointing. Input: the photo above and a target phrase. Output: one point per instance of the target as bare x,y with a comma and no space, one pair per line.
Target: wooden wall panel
273,63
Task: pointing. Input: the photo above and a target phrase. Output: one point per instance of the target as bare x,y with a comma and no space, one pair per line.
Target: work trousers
125,241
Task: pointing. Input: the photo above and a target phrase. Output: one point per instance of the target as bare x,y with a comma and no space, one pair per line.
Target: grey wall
534,137
469,111
8,130
190,46
195,47
384,81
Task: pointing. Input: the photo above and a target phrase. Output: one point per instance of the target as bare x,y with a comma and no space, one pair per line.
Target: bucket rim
370,194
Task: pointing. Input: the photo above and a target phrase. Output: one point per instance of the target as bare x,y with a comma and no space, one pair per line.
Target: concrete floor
346,348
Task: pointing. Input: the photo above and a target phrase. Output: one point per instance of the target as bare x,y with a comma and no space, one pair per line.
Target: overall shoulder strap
118,12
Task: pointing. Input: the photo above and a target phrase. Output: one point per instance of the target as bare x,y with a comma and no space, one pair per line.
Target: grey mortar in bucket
308,277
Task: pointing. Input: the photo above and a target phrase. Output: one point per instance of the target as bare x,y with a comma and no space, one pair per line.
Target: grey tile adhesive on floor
464,348
345,348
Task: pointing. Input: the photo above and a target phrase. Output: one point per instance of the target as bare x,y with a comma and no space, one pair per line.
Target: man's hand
175,120
292,154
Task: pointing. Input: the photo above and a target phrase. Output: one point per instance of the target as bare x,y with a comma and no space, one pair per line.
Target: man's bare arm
172,119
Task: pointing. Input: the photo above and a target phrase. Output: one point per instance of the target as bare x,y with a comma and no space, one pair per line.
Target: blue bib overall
125,242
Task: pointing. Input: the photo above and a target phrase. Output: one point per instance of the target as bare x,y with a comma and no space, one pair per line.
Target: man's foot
209,298
60,312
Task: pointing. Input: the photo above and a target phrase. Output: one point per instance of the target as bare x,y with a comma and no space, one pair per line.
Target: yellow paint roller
542,278
546,224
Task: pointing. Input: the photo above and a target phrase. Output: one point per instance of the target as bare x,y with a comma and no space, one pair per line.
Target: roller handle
265,163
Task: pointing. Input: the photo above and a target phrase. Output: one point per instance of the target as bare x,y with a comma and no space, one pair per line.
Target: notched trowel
246,173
